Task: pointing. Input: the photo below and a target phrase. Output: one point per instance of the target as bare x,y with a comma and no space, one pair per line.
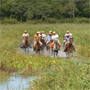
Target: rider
51,33
55,38
44,36
68,33
37,37
25,35
67,40
48,38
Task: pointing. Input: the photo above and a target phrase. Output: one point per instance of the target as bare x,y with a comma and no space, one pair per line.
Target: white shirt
69,34
43,36
55,36
26,35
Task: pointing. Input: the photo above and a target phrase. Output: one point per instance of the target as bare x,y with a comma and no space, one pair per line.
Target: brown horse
43,43
26,43
55,48
37,47
69,48
48,47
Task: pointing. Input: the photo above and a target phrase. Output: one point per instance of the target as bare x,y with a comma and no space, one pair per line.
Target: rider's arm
32,38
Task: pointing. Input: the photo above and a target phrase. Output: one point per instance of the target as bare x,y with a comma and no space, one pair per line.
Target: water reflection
16,82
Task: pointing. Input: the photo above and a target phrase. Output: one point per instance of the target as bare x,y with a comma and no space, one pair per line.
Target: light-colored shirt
55,37
48,38
67,39
26,35
69,34
43,36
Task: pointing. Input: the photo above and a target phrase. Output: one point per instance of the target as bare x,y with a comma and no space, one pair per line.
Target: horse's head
25,44
71,40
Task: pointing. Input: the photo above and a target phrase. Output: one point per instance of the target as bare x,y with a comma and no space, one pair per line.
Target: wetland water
17,82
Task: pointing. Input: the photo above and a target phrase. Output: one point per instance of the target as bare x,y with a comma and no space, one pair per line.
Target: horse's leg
57,53
54,54
25,49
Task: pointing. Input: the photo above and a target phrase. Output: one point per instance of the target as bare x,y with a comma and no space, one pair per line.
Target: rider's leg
40,43
22,43
47,42
64,48
59,44
74,47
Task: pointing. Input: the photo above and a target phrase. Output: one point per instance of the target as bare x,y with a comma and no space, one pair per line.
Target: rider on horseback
25,35
42,37
67,40
55,39
37,38
48,38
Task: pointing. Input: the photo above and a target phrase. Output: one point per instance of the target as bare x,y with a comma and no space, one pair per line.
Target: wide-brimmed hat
49,32
38,32
54,32
25,31
67,31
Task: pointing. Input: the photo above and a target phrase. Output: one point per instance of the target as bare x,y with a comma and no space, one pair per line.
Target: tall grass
12,60
67,76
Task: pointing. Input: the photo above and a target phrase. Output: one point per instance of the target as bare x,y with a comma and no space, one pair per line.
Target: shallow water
16,82
30,51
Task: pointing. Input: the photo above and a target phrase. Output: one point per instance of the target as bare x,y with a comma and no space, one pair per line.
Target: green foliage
68,75
35,10
55,73
9,21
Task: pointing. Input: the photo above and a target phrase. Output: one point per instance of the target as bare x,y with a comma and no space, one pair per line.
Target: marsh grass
59,76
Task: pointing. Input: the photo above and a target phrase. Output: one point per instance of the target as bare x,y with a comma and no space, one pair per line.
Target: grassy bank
11,60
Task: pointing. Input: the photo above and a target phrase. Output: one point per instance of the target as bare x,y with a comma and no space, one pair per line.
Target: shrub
81,20
9,21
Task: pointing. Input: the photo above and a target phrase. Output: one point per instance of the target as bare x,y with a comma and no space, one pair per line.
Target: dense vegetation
53,73
24,10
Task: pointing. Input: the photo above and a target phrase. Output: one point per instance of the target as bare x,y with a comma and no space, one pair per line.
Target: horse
37,47
55,48
69,48
48,47
26,43
43,44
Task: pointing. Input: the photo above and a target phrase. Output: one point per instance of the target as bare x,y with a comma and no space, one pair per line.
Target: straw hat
25,31
67,31
38,32
49,32
54,32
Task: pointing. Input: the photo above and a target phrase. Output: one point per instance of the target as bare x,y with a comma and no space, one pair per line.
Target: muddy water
30,51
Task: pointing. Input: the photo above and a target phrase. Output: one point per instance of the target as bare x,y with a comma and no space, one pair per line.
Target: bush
9,21
81,20
34,21
51,20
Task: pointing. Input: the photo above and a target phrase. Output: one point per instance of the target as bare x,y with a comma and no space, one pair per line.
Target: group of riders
44,40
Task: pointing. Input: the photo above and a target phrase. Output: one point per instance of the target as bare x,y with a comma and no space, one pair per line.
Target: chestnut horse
26,43
37,47
69,48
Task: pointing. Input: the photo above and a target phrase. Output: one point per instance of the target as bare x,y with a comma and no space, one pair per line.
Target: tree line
24,10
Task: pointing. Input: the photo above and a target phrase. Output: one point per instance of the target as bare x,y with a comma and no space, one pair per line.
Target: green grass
52,70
